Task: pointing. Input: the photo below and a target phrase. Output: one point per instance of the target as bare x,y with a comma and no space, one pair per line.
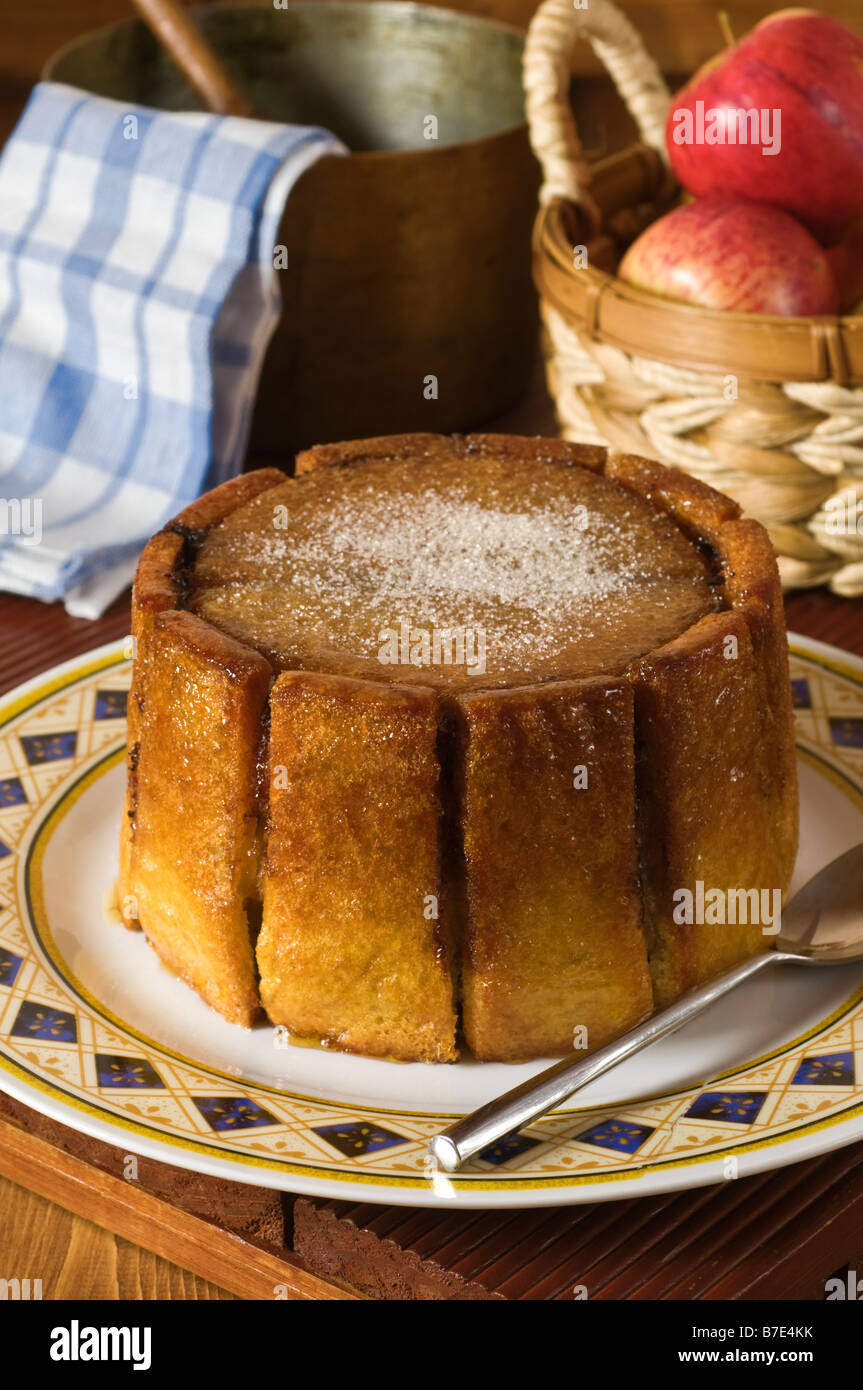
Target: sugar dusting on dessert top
543,570
449,552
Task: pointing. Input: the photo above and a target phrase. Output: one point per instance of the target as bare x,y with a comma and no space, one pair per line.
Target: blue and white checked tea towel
137,298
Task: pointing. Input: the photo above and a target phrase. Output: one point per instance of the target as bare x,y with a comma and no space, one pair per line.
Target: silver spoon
822,925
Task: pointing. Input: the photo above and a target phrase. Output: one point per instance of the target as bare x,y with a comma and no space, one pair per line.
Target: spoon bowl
823,923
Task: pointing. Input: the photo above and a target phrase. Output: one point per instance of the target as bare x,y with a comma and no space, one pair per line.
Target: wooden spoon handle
193,55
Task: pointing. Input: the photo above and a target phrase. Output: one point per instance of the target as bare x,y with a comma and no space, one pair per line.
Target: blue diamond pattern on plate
624,1135
4,850
510,1146
110,704
801,695
126,1072
233,1112
828,1069
12,793
48,748
847,732
357,1137
45,1023
10,964
732,1107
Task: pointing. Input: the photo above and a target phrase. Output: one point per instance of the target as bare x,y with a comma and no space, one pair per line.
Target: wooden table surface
76,1259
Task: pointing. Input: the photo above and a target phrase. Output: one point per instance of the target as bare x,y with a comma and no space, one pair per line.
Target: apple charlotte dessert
424,741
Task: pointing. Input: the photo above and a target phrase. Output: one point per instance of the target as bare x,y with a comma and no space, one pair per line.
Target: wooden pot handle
555,30
183,40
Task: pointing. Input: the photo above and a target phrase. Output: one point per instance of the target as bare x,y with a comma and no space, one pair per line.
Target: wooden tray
773,1236
229,1233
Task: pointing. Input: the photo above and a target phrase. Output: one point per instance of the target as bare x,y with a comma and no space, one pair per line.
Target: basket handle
554,32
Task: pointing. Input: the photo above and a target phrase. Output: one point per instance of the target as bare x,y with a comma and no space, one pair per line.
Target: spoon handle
178,33
550,1088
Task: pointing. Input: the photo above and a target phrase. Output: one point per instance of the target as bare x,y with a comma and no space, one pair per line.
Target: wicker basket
768,410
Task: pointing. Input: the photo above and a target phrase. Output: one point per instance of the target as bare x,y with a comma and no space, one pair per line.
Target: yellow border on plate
852,672
33,697
368,1176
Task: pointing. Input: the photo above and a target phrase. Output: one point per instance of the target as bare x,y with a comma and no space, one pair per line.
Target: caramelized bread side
353,951
159,588
554,949
196,846
703,812
753,587
716,772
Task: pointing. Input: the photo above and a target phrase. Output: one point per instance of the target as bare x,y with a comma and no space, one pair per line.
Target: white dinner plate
96,1033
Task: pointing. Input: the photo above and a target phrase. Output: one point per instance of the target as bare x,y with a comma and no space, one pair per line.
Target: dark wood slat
818,614
668,1230
824,1205
775,1235
35,636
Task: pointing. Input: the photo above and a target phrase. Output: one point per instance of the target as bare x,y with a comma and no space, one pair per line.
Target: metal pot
407,297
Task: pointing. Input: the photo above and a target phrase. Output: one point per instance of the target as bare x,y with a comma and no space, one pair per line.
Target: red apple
808,68
846,261
724,254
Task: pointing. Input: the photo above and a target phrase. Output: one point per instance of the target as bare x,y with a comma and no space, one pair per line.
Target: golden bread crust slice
387,446
215,505
158,580
195,848
753,588
699,510
157,587
352,951
703,780
428,446
553,937
564,451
